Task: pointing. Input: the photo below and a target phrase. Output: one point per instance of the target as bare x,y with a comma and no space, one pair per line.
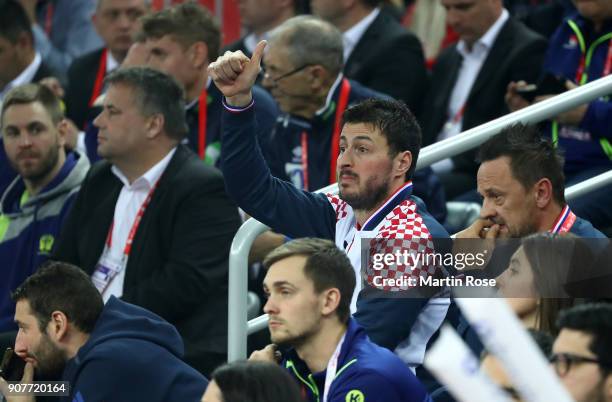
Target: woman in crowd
536,280
251,382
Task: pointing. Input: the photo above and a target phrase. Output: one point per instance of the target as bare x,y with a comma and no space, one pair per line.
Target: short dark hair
30,93
59,286
156,93
395,122
301,7
594,319
372,3
256,382
14,21
326,265
187,23
532,158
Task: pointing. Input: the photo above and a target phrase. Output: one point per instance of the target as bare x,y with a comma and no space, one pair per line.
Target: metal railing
239,328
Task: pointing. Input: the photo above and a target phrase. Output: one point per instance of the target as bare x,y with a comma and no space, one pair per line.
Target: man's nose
25,140
270,306
345,159
487,210
21,348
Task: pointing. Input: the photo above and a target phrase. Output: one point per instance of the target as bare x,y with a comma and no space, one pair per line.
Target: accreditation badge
106,270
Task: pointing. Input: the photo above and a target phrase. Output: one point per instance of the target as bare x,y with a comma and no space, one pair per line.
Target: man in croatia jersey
377,153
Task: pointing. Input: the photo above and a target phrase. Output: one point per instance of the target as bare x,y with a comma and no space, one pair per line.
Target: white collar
330,95
111,62
251,41
488,39
353,35
151,176
26,76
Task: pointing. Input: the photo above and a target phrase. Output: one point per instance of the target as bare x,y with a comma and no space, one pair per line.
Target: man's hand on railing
513,99
235,74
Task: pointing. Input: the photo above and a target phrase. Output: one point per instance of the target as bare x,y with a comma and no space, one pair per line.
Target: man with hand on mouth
522,184
100,352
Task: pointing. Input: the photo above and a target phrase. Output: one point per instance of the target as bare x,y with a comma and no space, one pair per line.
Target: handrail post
238,288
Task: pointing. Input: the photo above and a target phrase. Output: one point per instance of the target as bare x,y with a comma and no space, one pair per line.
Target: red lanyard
97,89
335,144
345,89
582,66
49,18
137,219
305,159
459,115
202,115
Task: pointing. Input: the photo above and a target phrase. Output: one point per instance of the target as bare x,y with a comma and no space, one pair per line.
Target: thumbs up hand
235,74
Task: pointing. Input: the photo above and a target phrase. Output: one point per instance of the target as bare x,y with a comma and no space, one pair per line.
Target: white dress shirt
131,198
473,59
111,62
353,35
251,41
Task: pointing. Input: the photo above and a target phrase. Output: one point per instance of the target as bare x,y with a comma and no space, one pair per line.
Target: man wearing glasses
582,353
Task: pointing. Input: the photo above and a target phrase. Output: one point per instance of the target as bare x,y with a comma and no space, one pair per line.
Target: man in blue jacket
113,352
580,52
33,207
378,149
309,284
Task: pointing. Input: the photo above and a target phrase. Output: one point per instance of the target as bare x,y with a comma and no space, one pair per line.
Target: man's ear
402,163
94,22
62,132
155,125
198,55
543,192
318,77
58,326
330,301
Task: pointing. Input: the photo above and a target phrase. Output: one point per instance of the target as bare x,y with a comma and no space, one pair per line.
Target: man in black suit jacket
116,21
177,263
259,17
470,78
378,52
